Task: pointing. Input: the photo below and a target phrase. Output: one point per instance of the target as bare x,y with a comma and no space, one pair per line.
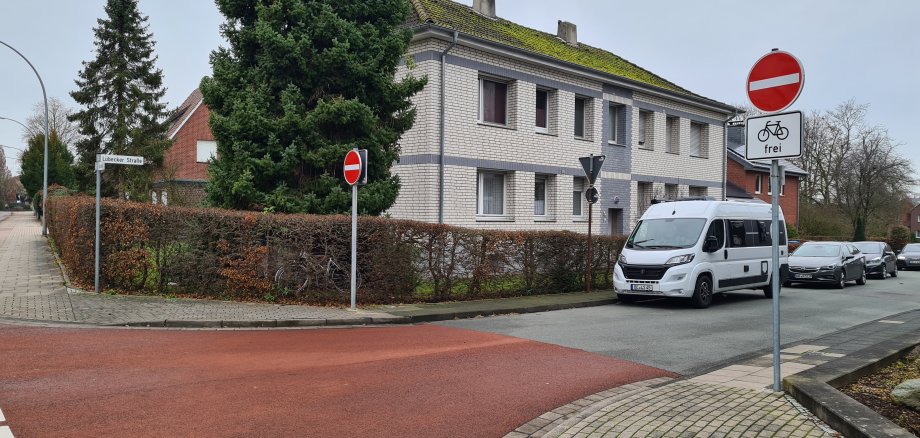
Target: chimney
568,33
485,7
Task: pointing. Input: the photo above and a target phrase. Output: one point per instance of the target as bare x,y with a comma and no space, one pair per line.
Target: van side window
782,232
736,233
717,229
763,233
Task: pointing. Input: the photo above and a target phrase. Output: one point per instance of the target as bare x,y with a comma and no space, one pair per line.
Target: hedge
223,254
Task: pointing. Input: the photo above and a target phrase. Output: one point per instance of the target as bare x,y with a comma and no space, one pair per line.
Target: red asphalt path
406,381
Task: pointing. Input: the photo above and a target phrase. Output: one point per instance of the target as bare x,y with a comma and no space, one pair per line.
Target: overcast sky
861,50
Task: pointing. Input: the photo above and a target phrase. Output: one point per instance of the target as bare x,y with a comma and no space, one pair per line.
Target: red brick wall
912,217
748,179
179,161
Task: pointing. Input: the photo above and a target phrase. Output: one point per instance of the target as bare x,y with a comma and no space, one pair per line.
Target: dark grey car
880,259
909,257
827,262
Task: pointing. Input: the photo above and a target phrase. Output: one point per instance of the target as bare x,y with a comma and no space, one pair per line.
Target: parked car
909,257
827,262
880,259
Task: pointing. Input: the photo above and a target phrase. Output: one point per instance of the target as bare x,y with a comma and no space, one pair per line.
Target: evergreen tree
302,82
120,92
60,164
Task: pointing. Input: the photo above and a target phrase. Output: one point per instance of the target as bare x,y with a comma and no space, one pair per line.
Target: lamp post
19,123
45,97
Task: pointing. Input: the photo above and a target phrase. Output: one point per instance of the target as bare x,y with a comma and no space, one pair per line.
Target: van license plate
802,275
645,287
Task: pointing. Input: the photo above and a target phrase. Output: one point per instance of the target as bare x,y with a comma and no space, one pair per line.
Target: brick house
751,179
911,218
185,168
508,111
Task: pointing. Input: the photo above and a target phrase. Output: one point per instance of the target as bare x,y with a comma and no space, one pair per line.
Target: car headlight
679,260
900,257
828,267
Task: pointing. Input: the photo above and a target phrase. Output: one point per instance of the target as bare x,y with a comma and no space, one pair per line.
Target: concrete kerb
816,389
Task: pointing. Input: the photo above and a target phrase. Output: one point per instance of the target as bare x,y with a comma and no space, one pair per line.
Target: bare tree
58,121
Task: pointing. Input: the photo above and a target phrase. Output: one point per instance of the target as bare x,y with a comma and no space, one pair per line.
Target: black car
880,259
909,257
827,262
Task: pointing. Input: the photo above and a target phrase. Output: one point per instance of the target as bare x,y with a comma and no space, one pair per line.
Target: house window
491,194
578,191
758,183
671,191
918,219
493,102
153,197
696,140
163,199
643,196
539,196
698,191
917,234
673,133
645,129
542,121
580,105
617,127
205,151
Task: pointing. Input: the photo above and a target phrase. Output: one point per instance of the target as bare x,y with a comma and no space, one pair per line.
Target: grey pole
354,242
98,202
45,96
774,234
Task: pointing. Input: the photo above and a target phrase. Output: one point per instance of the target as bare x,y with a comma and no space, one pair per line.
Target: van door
744,256
714,254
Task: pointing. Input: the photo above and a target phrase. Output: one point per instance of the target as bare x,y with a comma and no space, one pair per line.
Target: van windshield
671,233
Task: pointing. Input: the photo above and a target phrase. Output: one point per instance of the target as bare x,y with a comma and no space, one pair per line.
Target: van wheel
768,289
702,294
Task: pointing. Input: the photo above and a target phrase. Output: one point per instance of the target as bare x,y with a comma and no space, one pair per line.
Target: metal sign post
101,160
355,172
773,84
592,166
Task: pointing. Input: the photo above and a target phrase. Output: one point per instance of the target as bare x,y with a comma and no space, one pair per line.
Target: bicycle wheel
341,277
292,278
782,133
763,134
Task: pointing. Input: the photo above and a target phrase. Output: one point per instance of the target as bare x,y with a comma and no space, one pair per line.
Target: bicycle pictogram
779,131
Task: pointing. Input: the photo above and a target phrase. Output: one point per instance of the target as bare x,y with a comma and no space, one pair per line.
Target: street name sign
774,136
775,81
121,159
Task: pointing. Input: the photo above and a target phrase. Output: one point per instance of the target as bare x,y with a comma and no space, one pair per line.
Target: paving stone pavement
32,288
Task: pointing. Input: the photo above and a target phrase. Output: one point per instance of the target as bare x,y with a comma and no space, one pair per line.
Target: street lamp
31,132
10,147
45,96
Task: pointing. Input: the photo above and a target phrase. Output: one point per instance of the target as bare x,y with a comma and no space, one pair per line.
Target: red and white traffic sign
775,81
353,167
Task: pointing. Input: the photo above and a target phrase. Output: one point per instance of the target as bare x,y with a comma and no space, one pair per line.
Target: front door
615,218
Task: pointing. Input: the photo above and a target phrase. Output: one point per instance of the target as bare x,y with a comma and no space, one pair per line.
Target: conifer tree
60,163
120,93
301,83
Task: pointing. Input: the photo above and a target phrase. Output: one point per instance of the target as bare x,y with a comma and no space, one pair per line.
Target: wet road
413,381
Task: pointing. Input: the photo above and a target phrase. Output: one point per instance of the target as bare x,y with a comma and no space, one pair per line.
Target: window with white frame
673,134
205,151
153,197
696,139
917,234
758,183
578,195
617,127
643,196
163,199
581,105
782,188
645,129
918,219
539,196
491,194
542,111
493,101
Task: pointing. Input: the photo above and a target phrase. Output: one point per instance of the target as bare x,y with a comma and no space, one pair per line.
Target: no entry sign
355,164
775,81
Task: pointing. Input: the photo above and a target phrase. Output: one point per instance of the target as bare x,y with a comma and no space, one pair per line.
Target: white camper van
697,248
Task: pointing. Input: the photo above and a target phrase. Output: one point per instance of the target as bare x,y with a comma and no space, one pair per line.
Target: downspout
725,155
441,145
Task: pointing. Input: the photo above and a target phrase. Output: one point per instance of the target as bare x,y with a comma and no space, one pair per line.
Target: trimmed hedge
226,254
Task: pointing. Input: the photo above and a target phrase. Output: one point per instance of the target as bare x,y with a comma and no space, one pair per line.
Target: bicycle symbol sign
777,130
774,136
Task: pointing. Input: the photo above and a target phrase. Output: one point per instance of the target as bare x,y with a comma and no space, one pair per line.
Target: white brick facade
521,153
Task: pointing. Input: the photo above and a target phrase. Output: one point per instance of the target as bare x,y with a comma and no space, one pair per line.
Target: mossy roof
462,18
